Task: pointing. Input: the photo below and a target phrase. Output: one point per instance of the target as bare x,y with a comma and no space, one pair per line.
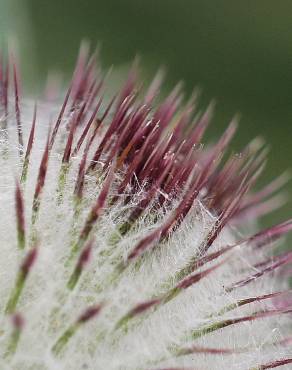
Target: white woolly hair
146,312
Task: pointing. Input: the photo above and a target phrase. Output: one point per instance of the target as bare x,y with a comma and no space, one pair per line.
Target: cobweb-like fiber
126,243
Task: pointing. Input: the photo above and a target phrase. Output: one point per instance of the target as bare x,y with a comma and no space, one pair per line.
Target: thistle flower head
128,244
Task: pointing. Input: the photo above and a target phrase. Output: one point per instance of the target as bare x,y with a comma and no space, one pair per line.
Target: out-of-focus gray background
238,52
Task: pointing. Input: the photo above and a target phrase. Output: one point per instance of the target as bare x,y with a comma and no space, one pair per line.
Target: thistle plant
128,244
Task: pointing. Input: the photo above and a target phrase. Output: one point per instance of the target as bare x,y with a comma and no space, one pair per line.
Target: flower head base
121,246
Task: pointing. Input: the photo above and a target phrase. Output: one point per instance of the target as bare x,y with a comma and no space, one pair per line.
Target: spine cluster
128,244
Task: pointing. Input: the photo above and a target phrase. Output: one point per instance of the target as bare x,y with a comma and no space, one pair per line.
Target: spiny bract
122,237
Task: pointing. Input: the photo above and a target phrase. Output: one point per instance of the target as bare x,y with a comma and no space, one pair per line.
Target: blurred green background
238,52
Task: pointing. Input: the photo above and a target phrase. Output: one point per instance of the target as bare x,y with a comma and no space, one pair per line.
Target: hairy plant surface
128,244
